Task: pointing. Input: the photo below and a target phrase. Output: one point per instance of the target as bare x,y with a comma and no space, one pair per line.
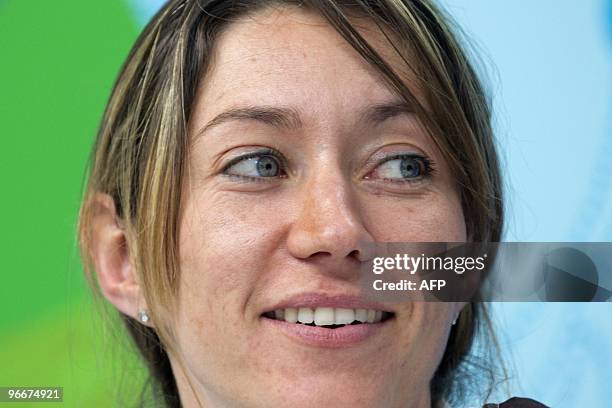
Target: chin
324,391
329,387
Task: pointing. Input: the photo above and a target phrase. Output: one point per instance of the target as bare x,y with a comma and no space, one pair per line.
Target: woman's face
300,157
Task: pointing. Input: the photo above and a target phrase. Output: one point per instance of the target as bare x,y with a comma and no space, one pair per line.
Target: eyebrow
289,118
379,113
280,117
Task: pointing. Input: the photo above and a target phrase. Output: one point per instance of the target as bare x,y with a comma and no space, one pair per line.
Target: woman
249,154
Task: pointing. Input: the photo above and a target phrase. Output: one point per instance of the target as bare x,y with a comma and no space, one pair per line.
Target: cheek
426,335
226,246
435,217
222,248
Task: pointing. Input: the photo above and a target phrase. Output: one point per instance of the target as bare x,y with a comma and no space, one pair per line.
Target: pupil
267,166
410,168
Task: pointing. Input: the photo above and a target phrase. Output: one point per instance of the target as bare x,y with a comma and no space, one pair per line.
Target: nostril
320,254
354,254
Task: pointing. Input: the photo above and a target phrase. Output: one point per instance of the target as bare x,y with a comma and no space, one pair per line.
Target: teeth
327,316
324,316
291,315
345,316
305,315
361,315
378,316
371,315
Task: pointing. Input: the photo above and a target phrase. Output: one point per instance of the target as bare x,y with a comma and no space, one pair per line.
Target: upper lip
317,299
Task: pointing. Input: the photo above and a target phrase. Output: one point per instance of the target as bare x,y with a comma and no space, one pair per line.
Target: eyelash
428,166
258,153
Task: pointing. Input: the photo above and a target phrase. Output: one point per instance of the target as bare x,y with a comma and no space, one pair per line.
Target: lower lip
347,336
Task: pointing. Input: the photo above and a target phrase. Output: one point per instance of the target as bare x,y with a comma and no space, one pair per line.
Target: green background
58,63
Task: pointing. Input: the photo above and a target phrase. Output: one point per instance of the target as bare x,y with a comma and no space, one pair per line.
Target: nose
329,227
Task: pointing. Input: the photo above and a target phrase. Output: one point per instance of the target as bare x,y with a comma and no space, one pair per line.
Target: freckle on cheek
197,324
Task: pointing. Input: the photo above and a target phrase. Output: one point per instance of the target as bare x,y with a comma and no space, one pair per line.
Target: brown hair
142,146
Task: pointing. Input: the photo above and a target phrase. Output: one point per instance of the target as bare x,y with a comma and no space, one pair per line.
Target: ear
111,258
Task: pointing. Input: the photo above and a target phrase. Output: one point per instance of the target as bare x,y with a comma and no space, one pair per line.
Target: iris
267,166
410,167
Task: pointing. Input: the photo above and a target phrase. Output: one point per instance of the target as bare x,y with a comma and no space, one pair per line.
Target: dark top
517,402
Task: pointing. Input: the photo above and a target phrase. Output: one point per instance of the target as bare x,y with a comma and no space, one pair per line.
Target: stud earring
143,316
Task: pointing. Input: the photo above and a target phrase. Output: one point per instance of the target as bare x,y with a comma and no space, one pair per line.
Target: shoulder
517,402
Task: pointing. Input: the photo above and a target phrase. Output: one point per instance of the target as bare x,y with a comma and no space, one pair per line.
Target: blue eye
255,165
410,167
403,167
267,166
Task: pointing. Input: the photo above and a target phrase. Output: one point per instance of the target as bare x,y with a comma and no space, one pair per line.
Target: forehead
293,57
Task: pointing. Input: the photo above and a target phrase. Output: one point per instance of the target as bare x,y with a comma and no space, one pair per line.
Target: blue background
551,79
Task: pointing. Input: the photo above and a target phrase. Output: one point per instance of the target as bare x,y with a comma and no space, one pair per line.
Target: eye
256,165
404,167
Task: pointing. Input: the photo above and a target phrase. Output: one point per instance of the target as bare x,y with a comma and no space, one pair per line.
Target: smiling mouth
329,317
